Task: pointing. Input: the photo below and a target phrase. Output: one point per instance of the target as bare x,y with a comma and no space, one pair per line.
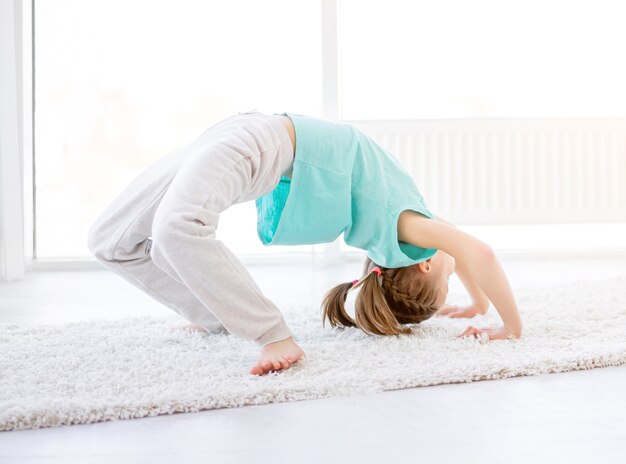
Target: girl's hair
399,296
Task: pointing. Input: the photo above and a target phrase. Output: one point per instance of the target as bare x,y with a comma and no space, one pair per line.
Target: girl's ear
425,266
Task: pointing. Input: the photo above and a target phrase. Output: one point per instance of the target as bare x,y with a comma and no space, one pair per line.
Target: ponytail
333,306
372,313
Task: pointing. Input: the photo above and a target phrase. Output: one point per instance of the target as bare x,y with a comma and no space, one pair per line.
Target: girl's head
404,295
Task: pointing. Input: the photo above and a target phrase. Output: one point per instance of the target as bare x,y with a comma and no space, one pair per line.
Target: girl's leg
178,201
120,240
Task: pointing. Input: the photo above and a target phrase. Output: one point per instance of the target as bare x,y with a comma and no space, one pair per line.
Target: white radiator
505,171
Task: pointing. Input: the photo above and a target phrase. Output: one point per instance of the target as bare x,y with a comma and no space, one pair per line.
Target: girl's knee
110,241
98,241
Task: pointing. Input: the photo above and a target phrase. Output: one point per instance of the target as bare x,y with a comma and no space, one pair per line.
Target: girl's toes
277,365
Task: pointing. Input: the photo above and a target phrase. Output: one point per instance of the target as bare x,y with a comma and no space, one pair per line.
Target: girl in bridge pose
312,179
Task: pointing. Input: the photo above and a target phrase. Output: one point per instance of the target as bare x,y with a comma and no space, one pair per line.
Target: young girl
312,180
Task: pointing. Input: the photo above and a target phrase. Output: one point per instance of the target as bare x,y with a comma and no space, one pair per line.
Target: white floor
569,417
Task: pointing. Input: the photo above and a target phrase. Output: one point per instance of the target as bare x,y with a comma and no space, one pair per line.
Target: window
484,58
121,83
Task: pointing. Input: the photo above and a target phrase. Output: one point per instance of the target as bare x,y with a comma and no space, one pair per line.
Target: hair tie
374,269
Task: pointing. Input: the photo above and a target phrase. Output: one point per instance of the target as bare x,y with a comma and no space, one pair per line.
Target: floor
568,417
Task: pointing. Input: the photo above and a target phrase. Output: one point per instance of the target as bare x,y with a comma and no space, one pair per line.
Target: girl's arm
480,302
470,252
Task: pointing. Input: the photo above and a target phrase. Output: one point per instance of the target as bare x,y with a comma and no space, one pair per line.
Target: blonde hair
399,296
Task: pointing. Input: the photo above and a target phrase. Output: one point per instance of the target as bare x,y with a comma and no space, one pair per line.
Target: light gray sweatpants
159,232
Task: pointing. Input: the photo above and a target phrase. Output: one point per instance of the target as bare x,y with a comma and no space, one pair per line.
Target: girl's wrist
511,334
481,308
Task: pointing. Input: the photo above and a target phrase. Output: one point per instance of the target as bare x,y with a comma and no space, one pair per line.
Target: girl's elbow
482,253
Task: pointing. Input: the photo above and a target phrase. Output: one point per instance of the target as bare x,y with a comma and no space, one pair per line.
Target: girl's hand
459,311
494,333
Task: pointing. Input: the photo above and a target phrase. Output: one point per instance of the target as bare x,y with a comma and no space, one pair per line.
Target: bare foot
276,356
191,327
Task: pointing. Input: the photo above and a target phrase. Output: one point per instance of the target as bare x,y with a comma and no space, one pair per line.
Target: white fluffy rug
100,370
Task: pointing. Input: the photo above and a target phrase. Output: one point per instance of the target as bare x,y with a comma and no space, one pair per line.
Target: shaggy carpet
95,371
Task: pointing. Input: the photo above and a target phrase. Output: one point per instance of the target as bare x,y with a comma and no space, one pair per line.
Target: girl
312,179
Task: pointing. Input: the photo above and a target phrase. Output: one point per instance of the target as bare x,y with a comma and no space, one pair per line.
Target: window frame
16,149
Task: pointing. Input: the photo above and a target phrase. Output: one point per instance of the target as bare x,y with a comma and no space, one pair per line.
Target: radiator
507,171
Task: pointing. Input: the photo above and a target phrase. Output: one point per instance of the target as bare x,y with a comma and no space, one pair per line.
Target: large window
120,83
448,59
481,58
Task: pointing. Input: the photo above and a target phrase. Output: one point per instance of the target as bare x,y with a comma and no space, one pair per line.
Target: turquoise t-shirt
342,182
